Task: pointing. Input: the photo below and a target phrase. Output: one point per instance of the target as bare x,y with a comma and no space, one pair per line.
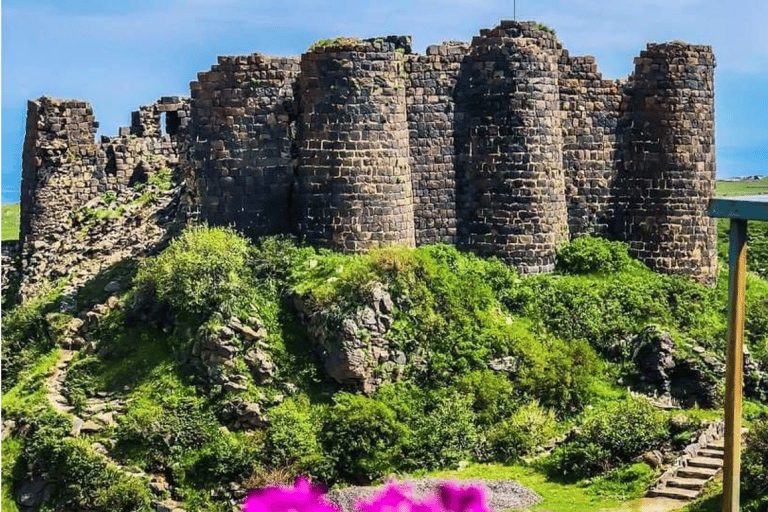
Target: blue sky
119,55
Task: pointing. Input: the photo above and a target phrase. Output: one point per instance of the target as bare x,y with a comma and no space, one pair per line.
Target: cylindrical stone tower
670,161
511,185
354,181
244,127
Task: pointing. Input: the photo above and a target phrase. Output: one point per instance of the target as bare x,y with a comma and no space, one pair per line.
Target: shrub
518,436
609,308
444,434
491,394
588,254
203,270
557,374
276,258
226,457
362,437
292,439
84,479
29,330
611,435
164,431
755,464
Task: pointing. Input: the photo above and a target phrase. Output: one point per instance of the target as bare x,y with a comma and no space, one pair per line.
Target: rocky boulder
217,350
653,359
355,349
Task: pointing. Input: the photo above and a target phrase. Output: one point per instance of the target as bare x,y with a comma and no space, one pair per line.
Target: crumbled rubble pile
106,230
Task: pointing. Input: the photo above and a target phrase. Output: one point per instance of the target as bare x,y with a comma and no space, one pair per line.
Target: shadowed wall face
668,172
244,153
432,121
511,193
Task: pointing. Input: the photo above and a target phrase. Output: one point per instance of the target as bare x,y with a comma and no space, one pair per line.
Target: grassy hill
563,345
757,245
742,188
10,222
201,372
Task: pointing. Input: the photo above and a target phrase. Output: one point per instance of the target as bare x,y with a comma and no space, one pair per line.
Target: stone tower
511,188
354,180
668,173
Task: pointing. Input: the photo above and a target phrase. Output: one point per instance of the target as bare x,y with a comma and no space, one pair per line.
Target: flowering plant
303,497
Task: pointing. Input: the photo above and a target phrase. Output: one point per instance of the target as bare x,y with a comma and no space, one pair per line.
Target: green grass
742,188
11,449
10,222
558,497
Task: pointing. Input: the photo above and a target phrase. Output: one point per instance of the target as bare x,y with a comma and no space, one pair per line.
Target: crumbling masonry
504,146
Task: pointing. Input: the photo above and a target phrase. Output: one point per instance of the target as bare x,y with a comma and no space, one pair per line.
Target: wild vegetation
570,335
494,366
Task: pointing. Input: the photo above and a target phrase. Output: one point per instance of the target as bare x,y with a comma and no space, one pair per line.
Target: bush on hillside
226,457
492,395
161,432
84,479
610,436
362,437
588,254
518,436
443,434
755,462
441,425
609,309
275,259
203,270
557,374
292,439
30,330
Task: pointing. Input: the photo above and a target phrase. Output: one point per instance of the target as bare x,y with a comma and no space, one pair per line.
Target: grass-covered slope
10,221
216,384
757,245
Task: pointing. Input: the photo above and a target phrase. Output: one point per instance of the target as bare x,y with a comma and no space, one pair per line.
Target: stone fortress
505,146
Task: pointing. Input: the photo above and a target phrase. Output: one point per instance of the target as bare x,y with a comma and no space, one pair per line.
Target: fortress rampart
505,145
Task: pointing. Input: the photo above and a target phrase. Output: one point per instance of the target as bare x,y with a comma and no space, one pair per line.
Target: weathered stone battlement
505,146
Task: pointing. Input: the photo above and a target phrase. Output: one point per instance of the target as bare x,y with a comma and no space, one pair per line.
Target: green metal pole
734,362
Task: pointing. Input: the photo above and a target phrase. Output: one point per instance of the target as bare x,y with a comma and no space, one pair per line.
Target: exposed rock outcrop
355,349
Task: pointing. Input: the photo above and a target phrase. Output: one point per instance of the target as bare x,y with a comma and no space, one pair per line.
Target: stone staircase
700,463
688,481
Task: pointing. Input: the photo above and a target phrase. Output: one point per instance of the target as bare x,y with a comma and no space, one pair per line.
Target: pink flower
300,498
447,498
462,499
397,498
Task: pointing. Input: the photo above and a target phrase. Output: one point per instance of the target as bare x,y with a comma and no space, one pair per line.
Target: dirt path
653,505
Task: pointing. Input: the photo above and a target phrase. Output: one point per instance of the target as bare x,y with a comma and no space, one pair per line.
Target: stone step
718,444
676,493
687,483
712,454
696,472
705,462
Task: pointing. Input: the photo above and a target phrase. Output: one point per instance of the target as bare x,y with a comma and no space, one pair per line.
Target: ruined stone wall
243,111
511,188
354,187
58,163
593,109
504,146
432,118
668,162
63,167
